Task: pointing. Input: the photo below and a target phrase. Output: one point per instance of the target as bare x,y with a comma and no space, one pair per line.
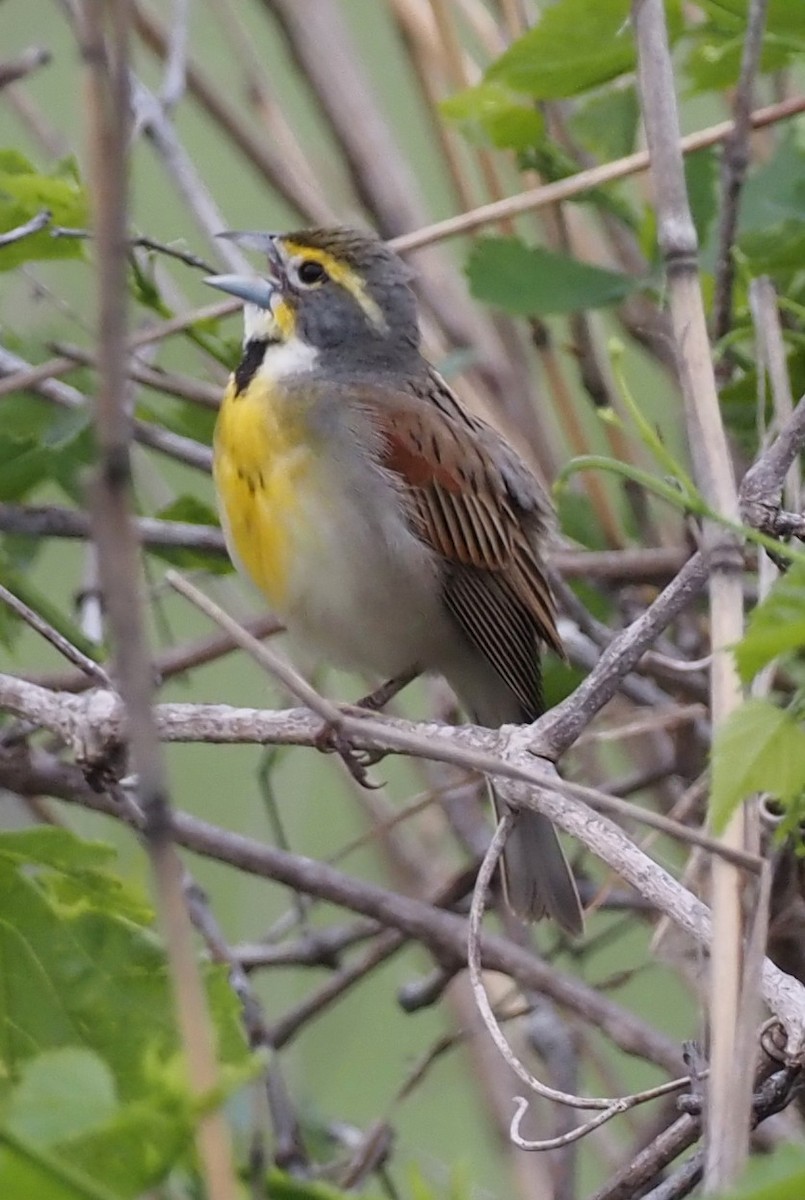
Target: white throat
281,359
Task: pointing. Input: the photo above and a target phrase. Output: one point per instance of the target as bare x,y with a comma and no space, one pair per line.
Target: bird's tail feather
537,880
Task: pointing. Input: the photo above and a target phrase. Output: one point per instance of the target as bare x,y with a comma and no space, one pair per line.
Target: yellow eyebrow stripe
344,276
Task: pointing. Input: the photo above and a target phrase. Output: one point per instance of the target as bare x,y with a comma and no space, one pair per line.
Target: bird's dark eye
311,272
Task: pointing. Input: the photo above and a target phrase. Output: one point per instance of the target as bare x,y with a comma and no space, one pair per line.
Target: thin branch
207,395
92,670
561,727
762,486
52,520
173,82
734,164
584,181
35,225
174,445
28,376
30,60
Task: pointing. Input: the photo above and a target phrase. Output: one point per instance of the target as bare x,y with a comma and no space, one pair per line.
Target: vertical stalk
104,27
729,1092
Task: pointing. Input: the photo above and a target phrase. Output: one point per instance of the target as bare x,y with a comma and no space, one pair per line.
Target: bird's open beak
251,289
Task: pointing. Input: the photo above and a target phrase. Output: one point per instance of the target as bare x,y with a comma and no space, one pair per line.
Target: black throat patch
248,366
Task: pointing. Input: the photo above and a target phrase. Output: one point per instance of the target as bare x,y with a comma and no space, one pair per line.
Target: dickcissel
392,530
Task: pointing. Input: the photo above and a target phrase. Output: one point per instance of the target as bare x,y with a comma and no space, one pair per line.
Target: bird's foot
331,740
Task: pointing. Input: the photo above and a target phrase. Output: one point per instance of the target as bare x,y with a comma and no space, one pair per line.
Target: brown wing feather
467,490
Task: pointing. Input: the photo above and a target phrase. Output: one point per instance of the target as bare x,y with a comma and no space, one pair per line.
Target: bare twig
35,225
207,395
584,181
734,163
173,83
78,658
516,779
289,1149
174,445
54,521
13,69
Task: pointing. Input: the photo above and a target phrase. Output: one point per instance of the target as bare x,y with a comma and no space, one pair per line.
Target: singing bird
391,529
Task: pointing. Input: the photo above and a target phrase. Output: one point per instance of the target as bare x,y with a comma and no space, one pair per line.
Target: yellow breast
263,467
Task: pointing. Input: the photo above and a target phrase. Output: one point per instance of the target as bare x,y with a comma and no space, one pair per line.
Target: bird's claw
331,740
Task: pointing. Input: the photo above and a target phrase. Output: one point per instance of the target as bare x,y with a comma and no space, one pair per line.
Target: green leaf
760,748
606,124
77,974
715,64
61,1094
24,192
493,112
778,251
88,1042
41,444
30,1171
777,626
776,1176
80,871
531,281
66,1108
574,46
715,60
775,191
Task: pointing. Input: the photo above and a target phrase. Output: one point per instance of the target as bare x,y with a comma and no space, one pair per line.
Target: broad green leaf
776,1176
79,975
778,251
82,874
777,626
782,16
574,46
41,444
29,1171
607,123
775,191
760,748
527,280
714,64
24,192
493,112
88,1042
60,1095
66,1107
